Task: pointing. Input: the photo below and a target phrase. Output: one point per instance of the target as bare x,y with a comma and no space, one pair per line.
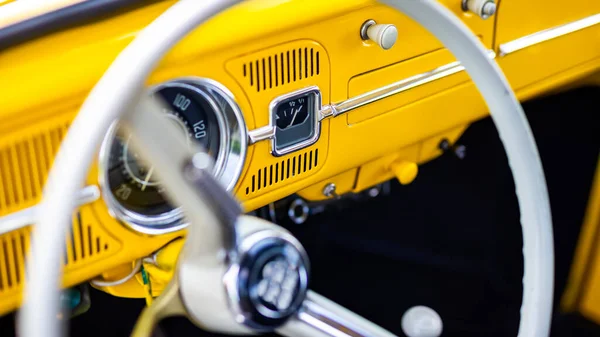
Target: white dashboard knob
482,8
421,321
384,35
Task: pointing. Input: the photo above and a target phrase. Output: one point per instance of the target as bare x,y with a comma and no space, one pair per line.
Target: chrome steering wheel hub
271,279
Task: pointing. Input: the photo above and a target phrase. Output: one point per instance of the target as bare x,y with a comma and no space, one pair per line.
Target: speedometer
200,109
196,110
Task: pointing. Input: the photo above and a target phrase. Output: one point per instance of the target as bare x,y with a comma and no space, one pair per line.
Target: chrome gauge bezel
228,164
314,114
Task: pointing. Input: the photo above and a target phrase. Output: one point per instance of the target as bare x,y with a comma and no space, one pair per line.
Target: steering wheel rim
41,294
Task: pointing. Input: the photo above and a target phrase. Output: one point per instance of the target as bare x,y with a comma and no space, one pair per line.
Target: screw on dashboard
329,191
444,145
373,192
460,151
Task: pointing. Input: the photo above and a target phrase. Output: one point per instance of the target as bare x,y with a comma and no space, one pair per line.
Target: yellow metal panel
518,18
376,79
344,183
541,61
353,145
378,171
568,79
265,75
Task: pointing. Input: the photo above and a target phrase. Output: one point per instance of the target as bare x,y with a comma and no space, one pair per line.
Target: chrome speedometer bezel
228,164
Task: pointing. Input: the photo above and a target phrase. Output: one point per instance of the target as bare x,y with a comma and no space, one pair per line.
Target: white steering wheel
225,253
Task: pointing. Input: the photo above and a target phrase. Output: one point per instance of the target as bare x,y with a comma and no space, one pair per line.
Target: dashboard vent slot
24,165
84,243
283,170
282,68
26,156
12,255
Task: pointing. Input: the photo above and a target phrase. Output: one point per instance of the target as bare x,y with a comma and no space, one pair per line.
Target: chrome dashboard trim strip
395,88
27,216
547,34
262,133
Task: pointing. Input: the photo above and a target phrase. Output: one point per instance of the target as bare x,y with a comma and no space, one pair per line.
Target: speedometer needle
147,178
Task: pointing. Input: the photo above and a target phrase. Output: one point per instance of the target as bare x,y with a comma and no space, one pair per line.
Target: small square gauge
295,118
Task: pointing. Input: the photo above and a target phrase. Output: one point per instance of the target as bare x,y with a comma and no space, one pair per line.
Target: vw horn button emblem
272,280
279,284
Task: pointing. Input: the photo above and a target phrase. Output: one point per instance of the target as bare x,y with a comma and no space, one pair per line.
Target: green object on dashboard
76,300
71,298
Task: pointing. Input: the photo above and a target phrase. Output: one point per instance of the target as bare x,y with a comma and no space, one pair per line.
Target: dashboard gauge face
296,121
133,184
206,116
291,113
195,112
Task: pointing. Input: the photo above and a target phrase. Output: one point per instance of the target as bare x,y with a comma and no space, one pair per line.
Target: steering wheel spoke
321,317
168,304
186,168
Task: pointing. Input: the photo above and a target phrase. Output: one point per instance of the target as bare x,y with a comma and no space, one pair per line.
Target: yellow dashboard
372,114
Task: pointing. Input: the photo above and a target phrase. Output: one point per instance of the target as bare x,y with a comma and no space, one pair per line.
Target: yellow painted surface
405,171
44,82
378,78
551,57
264,76
379,170
518,18
344,183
